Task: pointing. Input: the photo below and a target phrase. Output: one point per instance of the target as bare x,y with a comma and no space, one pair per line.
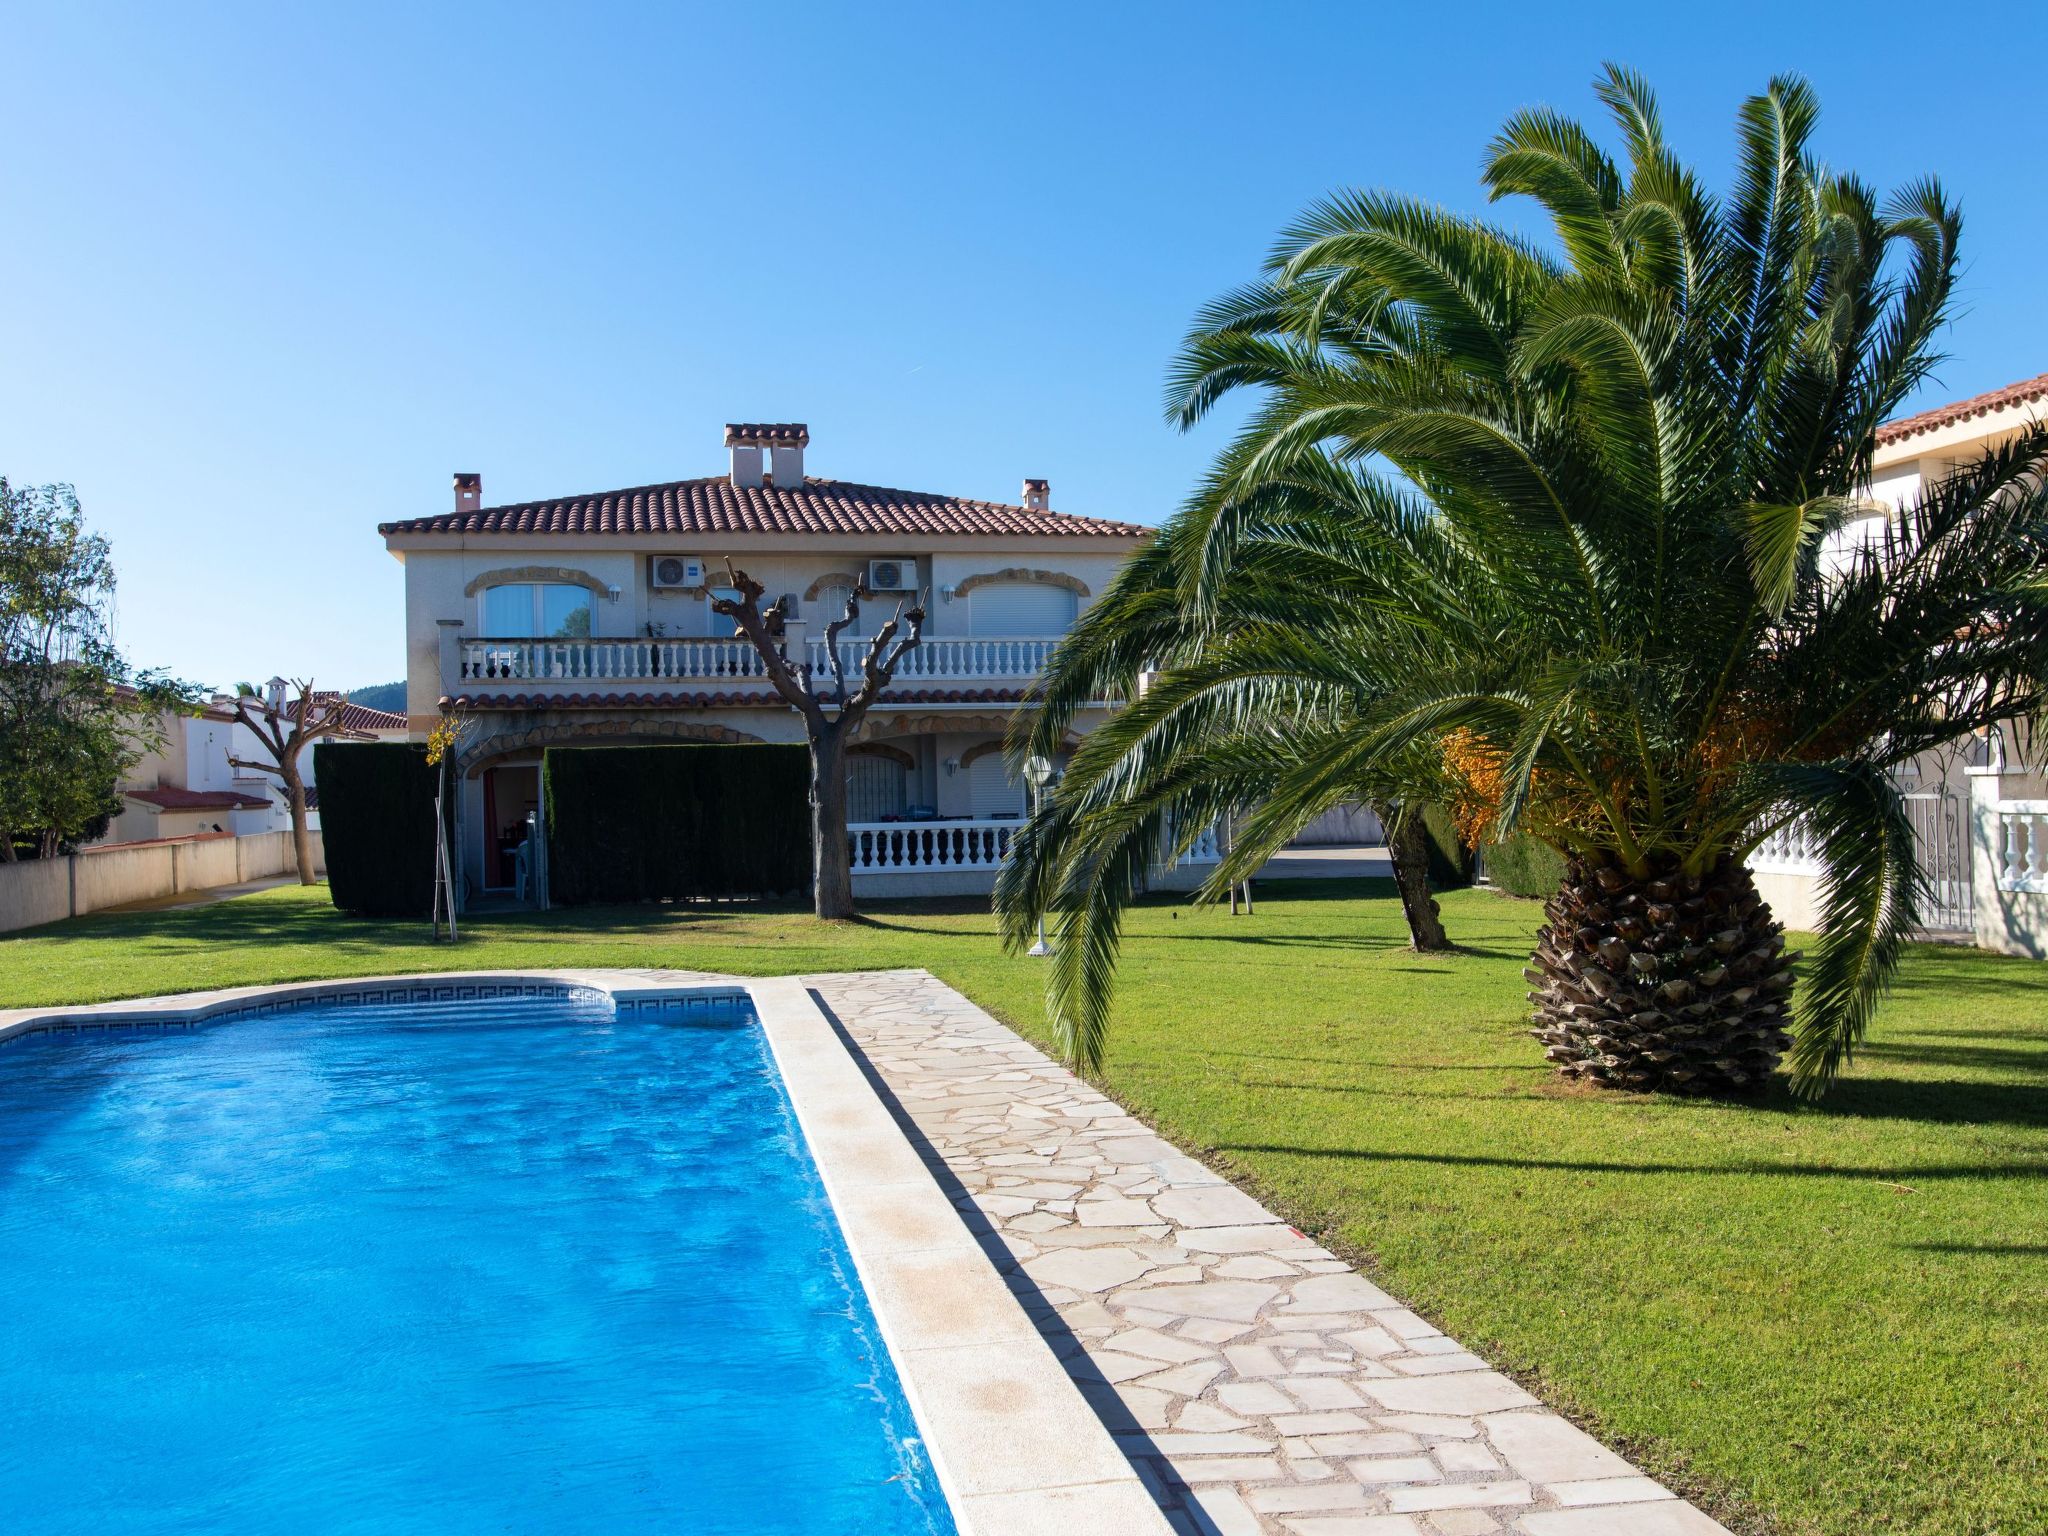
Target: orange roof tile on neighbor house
714,504
354,717
2025,392
169,797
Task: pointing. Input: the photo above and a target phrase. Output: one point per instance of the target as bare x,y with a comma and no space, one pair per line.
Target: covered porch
932,806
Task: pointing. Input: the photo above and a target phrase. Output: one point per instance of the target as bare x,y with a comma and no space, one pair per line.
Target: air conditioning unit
893,575
669,571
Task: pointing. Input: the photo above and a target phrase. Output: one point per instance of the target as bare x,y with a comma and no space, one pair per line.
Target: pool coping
1014,1444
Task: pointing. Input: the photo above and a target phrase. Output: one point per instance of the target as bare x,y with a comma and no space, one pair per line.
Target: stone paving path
1256,1381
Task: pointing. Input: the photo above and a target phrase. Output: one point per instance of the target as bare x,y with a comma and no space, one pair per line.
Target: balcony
637,661
932,847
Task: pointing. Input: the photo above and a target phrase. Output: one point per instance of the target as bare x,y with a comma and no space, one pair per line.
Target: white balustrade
607,660
644,660
1793,850
2020,845
923,847
1206,849
945,657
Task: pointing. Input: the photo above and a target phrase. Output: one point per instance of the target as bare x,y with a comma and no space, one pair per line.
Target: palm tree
1540,527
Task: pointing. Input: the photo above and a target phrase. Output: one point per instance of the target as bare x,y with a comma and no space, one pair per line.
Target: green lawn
1818,1320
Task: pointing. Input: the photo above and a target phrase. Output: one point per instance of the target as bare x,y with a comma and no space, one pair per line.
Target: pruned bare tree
285,729
831,714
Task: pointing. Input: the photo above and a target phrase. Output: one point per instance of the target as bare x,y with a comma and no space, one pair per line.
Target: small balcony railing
922,847
648,660
926,847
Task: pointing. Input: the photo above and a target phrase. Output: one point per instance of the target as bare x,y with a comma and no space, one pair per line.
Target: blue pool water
510,1266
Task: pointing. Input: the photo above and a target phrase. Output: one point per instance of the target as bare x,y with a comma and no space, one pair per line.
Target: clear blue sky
270,275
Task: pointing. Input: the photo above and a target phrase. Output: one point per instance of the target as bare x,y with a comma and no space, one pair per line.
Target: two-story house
587,619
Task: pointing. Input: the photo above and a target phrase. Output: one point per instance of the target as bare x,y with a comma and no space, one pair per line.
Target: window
830,604
990,789
543,610
717,624
1022,608
876,787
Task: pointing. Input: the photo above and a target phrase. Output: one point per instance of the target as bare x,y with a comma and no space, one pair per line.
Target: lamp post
1041,774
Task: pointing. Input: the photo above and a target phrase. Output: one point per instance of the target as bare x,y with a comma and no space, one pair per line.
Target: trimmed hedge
676,823
1522,866
1450,861
377,822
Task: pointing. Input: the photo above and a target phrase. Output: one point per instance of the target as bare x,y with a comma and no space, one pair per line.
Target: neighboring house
1976,856
587,620
361,723
190,785
186,786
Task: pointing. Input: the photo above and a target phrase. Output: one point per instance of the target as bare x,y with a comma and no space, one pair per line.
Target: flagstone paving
1256,1381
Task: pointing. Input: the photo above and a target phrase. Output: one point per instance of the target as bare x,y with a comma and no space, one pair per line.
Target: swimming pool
515,1264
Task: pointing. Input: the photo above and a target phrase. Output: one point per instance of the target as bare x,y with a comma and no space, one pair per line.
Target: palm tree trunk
832,864
1408,852
1675,982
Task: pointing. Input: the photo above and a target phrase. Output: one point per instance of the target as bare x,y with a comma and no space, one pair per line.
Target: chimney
469,493
1038,495
784,443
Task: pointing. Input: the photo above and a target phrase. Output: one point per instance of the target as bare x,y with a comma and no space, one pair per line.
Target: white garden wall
50,890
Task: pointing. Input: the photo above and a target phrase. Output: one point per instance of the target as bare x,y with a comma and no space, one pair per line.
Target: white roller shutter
1022,608
991,790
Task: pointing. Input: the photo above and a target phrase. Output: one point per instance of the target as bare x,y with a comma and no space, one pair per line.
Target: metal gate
1941,837
1941,840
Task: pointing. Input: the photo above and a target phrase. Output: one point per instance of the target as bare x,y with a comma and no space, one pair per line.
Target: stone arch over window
980,750
832,579
879,727
560,574
592,733
1073,584
878,749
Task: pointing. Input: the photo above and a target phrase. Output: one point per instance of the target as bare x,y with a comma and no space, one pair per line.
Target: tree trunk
832,881
302,840
1408,852
1672,982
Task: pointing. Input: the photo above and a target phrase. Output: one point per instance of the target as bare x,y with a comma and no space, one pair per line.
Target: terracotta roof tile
747,434
2025,392
360,717
169,797
715,505
354,717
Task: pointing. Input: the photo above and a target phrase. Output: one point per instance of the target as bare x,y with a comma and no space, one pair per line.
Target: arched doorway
877,786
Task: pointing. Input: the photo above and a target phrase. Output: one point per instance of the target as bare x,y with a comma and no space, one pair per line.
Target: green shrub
1450,861
1522,866
676,823
377,822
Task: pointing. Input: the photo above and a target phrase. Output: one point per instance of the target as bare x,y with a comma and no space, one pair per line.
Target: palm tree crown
1538,529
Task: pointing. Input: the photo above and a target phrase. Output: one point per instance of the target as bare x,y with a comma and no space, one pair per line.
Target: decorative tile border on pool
1258,1382
187,1010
